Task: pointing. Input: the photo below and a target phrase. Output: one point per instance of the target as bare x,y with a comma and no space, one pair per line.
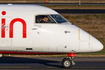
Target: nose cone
97,45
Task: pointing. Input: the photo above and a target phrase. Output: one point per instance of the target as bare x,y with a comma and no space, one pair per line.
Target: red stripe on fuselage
13,52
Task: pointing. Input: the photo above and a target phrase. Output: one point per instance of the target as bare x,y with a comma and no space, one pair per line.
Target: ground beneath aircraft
37,63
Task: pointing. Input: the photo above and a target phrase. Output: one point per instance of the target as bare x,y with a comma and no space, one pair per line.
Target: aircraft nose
97,45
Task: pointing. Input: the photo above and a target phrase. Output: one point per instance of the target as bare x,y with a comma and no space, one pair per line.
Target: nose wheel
68,62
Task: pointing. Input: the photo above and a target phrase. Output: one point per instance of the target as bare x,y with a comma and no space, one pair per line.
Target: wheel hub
67,63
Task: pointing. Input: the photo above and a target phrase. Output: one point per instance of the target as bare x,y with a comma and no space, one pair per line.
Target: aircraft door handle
34,28
66,32
38,32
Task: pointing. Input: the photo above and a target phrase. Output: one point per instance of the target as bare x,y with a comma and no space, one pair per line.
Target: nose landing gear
68,61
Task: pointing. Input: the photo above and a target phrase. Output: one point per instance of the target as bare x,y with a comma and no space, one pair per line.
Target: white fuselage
42,37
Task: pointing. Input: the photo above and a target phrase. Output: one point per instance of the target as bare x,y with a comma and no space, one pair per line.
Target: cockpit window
44,19
59,19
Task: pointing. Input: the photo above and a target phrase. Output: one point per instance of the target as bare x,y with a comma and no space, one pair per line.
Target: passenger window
44,19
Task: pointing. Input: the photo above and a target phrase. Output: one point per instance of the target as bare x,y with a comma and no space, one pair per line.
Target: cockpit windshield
59,19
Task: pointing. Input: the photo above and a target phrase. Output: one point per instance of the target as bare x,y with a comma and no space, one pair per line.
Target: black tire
66,63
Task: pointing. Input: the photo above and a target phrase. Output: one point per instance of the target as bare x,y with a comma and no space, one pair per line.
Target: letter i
2,25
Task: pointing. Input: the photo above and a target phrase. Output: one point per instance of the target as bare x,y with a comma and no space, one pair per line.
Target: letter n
11,27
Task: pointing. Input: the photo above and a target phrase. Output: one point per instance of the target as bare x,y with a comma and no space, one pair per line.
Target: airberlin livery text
11,26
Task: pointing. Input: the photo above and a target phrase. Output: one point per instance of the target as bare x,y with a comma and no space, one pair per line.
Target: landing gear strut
68,61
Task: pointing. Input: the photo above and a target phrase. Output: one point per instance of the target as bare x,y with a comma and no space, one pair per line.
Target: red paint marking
45,1
71,54
2,25
2,28
11,27
13,52
3,13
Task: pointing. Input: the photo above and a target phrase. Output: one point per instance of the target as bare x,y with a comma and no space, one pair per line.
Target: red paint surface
3,13
11,27
13,52
45,1
2,28
71,54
